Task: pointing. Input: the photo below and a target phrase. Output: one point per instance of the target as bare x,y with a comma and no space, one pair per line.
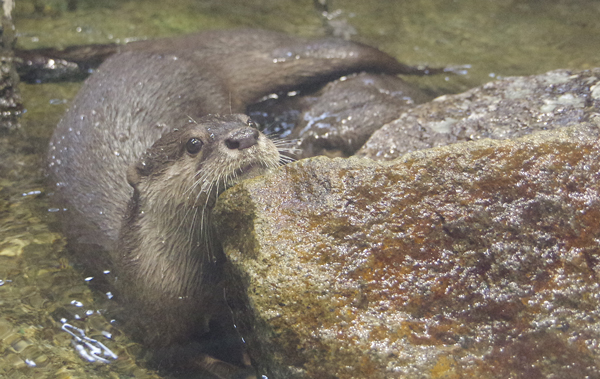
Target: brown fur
168,272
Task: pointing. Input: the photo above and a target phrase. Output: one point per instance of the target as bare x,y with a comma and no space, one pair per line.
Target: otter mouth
250,171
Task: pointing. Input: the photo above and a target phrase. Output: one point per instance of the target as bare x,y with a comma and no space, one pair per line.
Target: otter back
137,95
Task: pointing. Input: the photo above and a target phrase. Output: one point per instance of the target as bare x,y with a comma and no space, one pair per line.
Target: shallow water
38,283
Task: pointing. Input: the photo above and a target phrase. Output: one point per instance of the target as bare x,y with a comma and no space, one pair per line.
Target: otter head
192,165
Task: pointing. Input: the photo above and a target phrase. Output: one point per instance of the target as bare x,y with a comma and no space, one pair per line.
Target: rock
337,119
506,108
477,260
10,98
348,111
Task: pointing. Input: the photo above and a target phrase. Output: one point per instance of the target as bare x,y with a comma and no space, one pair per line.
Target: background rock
348,111
337,118
10,99
475,260
506,108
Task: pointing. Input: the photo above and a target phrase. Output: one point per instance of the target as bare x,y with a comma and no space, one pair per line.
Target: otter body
121,161
140,93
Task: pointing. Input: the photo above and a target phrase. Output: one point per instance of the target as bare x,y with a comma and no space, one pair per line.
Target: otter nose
242,139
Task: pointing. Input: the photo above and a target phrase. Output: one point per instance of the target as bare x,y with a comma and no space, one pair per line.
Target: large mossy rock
474,260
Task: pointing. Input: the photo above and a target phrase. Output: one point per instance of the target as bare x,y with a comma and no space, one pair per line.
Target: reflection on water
39,287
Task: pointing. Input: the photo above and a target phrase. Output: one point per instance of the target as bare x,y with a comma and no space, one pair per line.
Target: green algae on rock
472,260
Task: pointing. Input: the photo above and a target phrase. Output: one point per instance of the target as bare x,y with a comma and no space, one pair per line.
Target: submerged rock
475,260
506,108
337,119
347,111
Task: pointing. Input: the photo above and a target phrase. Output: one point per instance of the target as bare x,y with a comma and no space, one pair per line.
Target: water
38,284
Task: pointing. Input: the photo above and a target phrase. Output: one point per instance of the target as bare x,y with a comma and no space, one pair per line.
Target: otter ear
135,172
133,178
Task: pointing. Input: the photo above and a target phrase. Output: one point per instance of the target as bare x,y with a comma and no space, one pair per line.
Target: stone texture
10,98
337,119
475,260
506,108
348,111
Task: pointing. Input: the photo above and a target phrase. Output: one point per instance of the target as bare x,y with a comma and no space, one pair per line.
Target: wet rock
347,111
73,63
506,108
476,260
10,99
279,114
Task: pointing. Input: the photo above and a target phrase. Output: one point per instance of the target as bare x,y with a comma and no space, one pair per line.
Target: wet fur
141,93
164,254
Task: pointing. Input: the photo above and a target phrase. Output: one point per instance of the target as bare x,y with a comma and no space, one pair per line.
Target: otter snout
242,139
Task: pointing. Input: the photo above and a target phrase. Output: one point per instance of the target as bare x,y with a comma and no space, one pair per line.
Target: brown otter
168,272
125,113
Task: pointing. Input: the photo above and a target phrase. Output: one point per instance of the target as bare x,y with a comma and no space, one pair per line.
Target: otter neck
166,244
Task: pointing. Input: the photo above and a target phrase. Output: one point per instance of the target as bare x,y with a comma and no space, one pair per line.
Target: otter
164,254
138,176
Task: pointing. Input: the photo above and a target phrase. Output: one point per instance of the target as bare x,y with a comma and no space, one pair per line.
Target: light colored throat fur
172,247
172,234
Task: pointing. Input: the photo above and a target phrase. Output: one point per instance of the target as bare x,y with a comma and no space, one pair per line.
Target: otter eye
193,145
252,124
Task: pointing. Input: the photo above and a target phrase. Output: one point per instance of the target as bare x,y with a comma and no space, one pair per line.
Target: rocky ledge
507,108
478,259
